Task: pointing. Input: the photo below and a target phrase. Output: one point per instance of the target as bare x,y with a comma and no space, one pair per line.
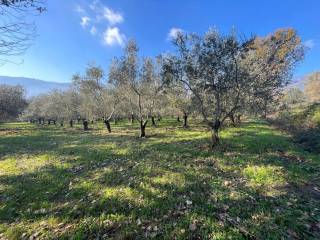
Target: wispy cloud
112,16
103,21
79,9
309,43
93,30
173,33
85,21
112,36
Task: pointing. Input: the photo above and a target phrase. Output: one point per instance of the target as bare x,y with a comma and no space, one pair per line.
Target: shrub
304,124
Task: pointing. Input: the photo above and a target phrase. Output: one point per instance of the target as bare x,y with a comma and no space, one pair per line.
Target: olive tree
293,96
225,73
312,87
270,62
180,99
154,96
12,102
209,67
35,110
136,76
89,86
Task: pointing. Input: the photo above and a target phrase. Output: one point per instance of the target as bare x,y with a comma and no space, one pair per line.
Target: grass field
62,183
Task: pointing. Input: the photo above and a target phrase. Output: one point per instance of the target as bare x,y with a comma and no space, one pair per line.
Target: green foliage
304,124
12,102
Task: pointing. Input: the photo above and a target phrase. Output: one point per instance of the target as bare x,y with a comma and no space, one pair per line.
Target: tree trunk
71,123
131,119
85,125
61,124
153,121
159,118
238,117
215,133
185,120
107,123
115,121
265,110
143,128
54,122
178,119
231,117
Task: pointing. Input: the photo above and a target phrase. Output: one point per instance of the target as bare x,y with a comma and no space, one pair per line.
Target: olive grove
216,77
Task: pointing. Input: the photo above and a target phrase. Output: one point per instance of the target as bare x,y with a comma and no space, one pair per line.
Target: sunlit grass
62,183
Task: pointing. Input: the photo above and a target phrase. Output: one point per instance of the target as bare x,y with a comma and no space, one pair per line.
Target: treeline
215,76
299,113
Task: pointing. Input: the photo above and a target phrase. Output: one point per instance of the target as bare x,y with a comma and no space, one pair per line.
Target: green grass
62,183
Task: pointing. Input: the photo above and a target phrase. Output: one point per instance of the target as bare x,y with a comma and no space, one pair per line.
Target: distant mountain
32,86
297,83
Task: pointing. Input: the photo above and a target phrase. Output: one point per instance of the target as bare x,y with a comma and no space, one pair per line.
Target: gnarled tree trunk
71,123
143,125
185,120
232,119
85,125
153,121
215,133
131,119
238,119
107,123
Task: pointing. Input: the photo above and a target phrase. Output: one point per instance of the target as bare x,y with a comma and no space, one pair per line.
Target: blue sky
74,33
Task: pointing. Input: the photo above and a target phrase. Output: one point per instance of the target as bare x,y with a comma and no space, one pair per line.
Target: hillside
297,83
33,86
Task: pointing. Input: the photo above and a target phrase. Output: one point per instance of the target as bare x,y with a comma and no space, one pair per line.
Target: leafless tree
16,31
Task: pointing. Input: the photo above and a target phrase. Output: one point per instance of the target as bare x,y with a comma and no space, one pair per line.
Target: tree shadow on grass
170,189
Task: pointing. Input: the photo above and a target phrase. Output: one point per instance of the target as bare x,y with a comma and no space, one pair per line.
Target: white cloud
112,16
173,33
103,12
96,17
85,21
79,9
93,30
309,43
112,36
94,4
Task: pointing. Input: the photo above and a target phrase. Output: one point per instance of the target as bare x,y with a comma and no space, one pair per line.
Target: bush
304,124
309,139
